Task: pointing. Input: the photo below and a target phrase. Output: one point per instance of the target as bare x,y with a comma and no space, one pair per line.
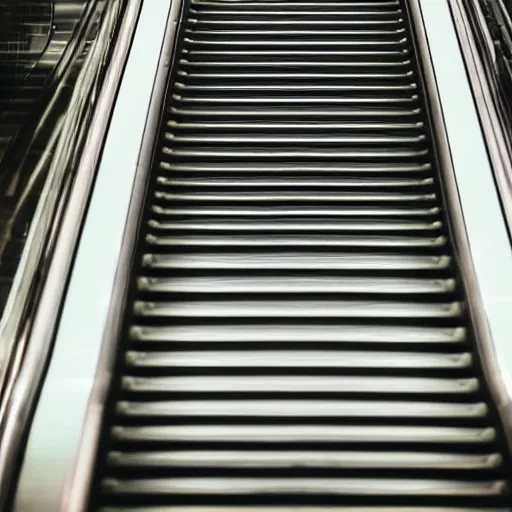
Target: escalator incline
296,332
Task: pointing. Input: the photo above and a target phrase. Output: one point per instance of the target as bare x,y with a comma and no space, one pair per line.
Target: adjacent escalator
296,333
36,43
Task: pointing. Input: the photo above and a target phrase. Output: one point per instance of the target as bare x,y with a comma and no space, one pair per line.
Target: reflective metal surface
490,72
38,68
37,127
58,184
262,338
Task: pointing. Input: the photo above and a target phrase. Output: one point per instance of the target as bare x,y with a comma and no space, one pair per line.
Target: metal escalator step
296,261
305,224
300,409
291,241
308,359
277,459
297,333
317,486
295,182
301,309
331,38
315,433
307,113
296,336
297,169
292,284
294,384
222,126
345,196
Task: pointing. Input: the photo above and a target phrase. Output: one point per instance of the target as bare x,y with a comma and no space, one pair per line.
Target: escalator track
296,333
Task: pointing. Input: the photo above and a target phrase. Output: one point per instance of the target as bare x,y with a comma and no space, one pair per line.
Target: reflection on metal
58,163
27,164
490,76
24,342
35,43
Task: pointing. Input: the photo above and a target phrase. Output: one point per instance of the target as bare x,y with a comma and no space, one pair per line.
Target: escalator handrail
59,216
58,157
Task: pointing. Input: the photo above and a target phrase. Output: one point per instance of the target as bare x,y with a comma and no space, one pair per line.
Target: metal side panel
485,224
57,425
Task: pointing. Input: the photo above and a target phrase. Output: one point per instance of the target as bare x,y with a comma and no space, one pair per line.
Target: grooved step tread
296,337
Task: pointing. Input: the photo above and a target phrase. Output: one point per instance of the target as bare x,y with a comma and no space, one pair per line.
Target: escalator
296,334
37,40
